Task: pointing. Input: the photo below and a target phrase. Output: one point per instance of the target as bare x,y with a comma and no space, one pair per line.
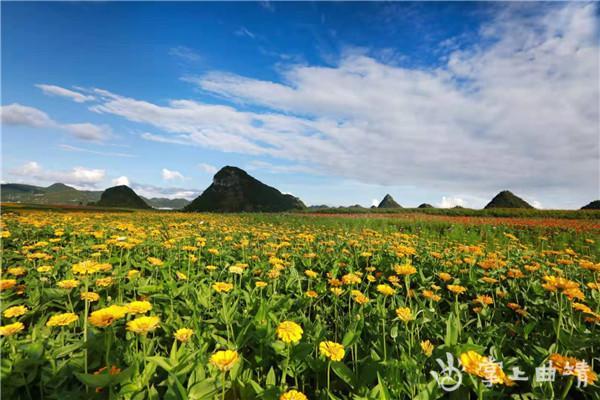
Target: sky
336,103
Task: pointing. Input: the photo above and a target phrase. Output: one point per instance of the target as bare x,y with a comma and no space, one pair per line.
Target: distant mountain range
232,190
60,193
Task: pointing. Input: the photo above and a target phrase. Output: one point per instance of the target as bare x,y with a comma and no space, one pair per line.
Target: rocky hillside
506,199
388,202
594,205
123,197
233,190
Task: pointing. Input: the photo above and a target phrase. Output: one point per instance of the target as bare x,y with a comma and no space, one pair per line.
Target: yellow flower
332,350
310,273
90,296
293,395
183,334
427,347
337,291
311,293
484,300
106,316
222,287
567,366
350,279
404,314
143,325
481,366
224,360
360,298
405,269
157,262
15,311
457,289
138,307
181,276
104,282
68,284
261,284
132,273
289,332
11,329
445,276
62,319
386,290
16,271
85,268
44,268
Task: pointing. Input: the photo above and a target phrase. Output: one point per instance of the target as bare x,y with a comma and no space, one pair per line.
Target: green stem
223,386
567,387
328,376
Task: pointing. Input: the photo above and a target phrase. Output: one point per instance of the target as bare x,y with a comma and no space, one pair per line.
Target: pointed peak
506,199
388,202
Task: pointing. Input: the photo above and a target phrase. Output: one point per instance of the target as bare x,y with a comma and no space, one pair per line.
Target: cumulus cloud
169,175
53,90
518,110
17,114
122,180
449,202
20,115
208,168
80,177
150,191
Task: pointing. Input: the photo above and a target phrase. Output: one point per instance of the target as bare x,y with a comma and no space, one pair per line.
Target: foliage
529,294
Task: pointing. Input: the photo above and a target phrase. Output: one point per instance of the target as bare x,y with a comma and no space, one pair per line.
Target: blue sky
337,103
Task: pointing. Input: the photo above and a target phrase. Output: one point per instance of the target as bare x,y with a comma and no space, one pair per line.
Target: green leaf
203,390
343,372
271,380
452,330
95,381
161,362
349,338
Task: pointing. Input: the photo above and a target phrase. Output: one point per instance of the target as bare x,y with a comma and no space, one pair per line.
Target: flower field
159,305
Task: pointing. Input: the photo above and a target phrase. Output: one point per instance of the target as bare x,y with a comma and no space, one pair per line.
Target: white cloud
279,169
87,131
209,169
150,191
519,110
375,202
169,175
243,31
60,91
80,177
19,115
68,147
122,180
184,53
449,202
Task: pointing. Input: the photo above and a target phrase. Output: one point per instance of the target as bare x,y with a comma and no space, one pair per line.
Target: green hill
233,190
163,202
594,205
388,202
123,197
506,199
57,193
